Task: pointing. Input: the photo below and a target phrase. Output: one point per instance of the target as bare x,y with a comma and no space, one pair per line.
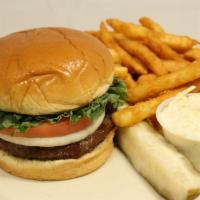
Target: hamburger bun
50,70
58,169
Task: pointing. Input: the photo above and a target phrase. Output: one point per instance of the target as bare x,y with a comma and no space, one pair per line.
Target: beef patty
70,151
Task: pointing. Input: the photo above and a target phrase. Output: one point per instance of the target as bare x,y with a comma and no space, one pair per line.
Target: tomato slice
63,127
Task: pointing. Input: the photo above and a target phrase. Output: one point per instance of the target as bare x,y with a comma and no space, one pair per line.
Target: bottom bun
58,169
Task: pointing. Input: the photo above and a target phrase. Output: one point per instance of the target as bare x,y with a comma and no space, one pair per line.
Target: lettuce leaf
115,95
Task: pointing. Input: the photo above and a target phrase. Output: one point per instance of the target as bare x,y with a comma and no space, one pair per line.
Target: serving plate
116,179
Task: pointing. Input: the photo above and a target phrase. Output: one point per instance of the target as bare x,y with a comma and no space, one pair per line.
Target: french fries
140,51
106,37
129,82
133,31
146,77
140,111
132,63
150,24
155,65
174,65
122,73
197,84
178,43
161,49
192,54
94,33
115,55
165,82
152,62
115,24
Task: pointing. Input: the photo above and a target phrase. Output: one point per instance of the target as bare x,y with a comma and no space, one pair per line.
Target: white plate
116,179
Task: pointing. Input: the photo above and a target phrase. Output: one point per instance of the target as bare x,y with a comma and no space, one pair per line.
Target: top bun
50,70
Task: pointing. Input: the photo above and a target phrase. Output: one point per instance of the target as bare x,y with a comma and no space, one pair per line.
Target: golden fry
140,111
161,49
169,81
144,54
132,63
120,71
106,37
197,84
151,24
174,65
179,43
115,24
129,81
94,33
146,77
192,54
133,31
115,55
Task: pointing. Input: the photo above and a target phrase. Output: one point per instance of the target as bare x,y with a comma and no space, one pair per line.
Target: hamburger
57,93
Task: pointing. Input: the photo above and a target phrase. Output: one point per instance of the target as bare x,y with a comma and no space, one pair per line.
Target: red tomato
64,127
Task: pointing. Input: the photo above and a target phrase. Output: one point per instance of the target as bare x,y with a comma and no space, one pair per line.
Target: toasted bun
49,70
59,169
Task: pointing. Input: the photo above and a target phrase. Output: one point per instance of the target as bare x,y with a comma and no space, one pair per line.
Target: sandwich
57,93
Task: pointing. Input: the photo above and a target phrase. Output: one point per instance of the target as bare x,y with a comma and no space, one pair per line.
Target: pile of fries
154,64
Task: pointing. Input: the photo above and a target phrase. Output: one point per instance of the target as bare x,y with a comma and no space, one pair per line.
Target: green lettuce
115,95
